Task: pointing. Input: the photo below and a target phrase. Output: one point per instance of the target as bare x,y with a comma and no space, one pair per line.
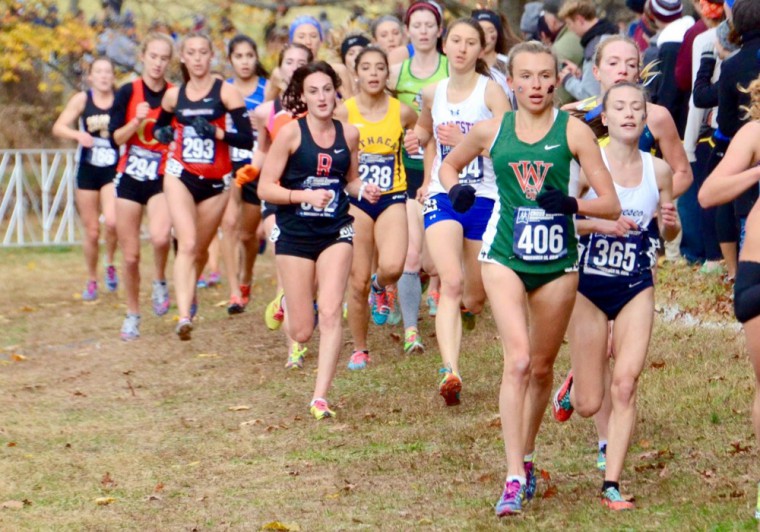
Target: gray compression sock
410,293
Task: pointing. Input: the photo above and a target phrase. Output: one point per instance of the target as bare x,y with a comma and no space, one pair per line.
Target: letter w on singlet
324,164
531,175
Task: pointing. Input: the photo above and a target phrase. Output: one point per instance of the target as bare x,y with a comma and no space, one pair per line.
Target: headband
428,6
488,16
300,21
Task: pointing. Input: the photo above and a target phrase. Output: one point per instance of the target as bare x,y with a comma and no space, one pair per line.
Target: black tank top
314,167
95,121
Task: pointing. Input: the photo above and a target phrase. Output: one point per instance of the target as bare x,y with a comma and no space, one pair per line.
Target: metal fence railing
37,198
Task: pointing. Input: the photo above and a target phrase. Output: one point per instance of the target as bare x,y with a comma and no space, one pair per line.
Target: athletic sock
602,445
376,287
528,457
521,480
609,484
409,294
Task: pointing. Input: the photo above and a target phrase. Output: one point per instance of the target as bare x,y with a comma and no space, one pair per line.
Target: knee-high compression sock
410,293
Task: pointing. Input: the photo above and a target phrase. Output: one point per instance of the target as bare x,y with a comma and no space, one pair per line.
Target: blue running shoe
530,482
358,360
112,280
511,499
380,306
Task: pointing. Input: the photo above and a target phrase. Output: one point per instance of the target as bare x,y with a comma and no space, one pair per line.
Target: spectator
529,20
566,44
580,18
668,15
710,14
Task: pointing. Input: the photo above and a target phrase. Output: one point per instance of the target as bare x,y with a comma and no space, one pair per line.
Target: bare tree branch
288,3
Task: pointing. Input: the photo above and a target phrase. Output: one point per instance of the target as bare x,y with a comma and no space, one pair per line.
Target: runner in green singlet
529,250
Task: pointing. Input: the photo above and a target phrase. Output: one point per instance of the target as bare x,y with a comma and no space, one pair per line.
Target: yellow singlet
380,147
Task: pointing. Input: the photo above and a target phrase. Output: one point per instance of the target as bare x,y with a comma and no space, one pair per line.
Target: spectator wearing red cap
711,13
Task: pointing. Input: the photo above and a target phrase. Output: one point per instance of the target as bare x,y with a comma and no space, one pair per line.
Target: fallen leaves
104,501
239,408
17,357
657,364
207,355
10,444
279,525
107,481
738,448
551,489
15,505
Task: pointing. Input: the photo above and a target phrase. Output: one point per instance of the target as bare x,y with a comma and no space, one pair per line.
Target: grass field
214,434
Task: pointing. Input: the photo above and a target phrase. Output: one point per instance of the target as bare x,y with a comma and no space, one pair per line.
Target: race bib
472,174
377,169
539,236
196,149
143,164
333,186
621,256
173,166
101,154
431,205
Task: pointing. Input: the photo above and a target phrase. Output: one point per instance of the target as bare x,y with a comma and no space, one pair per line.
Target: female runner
450,108
738,172
269,118
139,185
198,169
243,213
499,40
311,167
96,170
530,250
381,121
617,60
424,27
616,283
349,49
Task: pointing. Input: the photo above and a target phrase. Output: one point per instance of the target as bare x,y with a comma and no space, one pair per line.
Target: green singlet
520,235
409,90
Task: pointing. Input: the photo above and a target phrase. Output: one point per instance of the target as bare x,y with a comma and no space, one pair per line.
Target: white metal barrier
37,197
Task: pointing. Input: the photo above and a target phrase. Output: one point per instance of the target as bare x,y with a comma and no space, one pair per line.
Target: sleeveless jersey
409,91
95,121
380,147
465,114
630,255
143,157
209,158
593,108
313,167
252,101
521,235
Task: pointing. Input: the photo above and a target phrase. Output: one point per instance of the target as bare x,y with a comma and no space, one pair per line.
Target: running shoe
450,386
90,292
468,320
296,356
274,313
601,459
130,329
530,480
320,409
184,329
757,506
194,307
380,306
236,306
112,280
214,278
561,407
245,294
412,342
358,360
160,298
394,316
432,303
612,499
201,282
511,499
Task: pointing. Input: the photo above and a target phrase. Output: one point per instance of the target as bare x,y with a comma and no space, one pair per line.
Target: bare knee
390,270
359,288
131,258
247,237
330,319
474,303
587,404
92,232
516,367
161,241
452,286
542,373
301,333
623,389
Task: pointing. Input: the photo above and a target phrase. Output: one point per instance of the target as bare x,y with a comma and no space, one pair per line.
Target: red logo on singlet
531,175
324,164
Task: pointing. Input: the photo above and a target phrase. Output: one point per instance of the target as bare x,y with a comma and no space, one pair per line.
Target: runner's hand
555,201
462,197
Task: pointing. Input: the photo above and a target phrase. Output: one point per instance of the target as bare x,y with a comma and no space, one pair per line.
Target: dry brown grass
149,424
